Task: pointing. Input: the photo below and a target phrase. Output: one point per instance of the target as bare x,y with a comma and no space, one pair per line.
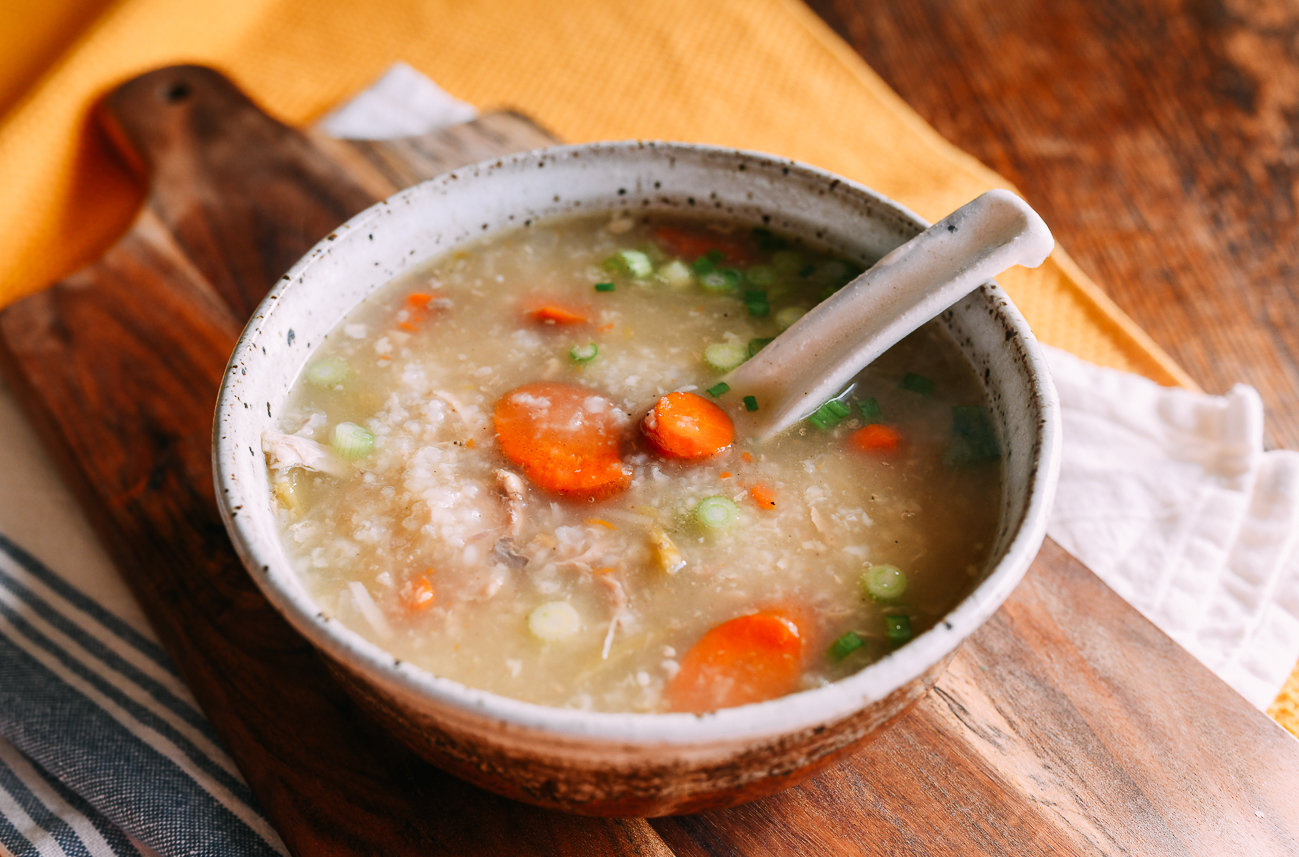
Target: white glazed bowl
592,762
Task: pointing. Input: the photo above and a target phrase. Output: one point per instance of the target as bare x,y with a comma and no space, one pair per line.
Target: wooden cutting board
1067,725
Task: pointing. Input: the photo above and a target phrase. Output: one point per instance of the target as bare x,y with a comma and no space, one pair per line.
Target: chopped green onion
758,309
759,295
351,441
829,415
721,280
718,389
756,345
328,372
898,629
786,316
844,646
787,261
870,410
676,274
702,265
884,582
974,438
584,353
715,256
918,384
716,513
761,275
605,287
750,403
632,262
724,356
554,620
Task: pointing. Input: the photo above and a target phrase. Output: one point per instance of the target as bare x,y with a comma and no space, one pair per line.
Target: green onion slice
554,620
918,384
718,389
844,646
605,287
898,629
756,345
328,372
717,513
870,410
721,280
725,356
884,582
632,262
584,353
351,440
750,403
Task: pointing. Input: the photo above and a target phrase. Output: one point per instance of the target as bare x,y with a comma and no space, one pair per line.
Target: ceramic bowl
603,763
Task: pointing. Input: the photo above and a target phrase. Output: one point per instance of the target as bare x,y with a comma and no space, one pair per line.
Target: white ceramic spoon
820,353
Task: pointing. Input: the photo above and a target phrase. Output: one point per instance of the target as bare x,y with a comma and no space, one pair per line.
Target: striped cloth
102,749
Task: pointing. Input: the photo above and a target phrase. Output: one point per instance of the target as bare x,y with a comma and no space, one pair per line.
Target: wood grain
1067,725
1157,138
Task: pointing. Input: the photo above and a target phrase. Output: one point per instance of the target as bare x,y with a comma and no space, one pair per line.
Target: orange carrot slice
551,314
693,243
566,438
420,595
683,425
875,438
748,659
763,496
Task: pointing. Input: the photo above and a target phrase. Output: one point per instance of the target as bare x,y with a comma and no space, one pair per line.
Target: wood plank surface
1067,725
1157,137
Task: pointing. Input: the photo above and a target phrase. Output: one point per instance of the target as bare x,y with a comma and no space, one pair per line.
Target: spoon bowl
820,353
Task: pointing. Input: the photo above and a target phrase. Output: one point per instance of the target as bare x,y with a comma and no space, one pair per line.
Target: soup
511,468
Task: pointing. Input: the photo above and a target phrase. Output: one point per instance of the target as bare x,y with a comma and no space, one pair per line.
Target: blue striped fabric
105,744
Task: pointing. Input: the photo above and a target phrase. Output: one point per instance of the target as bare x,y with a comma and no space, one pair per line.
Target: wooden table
1067,725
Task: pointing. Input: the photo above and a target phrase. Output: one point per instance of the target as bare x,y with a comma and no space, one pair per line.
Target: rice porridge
509,467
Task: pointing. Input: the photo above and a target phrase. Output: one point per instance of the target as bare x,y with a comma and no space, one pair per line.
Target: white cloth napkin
1170,498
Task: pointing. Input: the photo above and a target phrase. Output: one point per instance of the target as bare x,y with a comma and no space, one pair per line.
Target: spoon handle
818,355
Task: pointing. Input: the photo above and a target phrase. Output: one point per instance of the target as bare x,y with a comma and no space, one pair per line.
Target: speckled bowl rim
805,709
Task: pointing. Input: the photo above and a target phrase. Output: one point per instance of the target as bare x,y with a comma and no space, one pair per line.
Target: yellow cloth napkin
758,74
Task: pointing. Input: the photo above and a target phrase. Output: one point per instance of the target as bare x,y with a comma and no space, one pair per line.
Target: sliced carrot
551,314
693,243
763,496
419,596
725,474
747,457
419,298
684,425
566,437
748,659
875,438
418,310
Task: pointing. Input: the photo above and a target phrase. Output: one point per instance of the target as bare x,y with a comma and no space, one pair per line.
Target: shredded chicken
512,487
286,451
618,600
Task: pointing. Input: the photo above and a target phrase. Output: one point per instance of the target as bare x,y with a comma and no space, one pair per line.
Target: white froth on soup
509,468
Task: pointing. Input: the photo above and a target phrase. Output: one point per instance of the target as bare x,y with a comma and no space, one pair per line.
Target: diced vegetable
351,440
419,595
666,553
719,389
750,403
570,446
695,244
884,582
761,275
829,415
725,356
786,316
756,345
844,646
721,280
898,629
918,384
748,659
717,513
763,496
974,439
328,372
687,426
582,354
605,287
870,410
756,301
557,315
875,437
632,262
676,274
554,621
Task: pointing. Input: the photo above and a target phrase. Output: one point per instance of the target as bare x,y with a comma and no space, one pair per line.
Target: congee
514,467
